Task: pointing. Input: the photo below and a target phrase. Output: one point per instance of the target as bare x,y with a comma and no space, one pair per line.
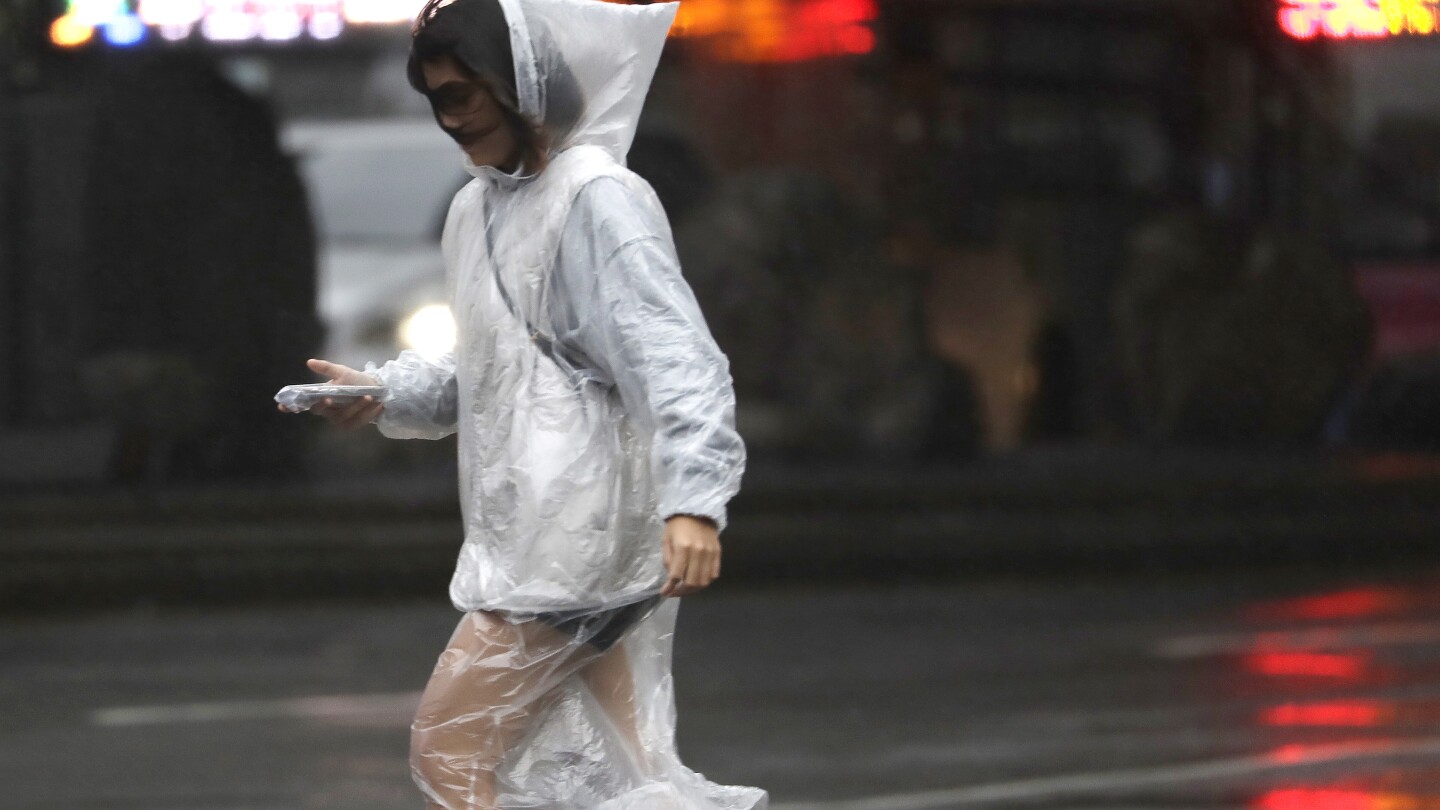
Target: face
469,113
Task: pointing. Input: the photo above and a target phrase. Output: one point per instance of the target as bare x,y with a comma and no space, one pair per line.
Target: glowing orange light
700,18
1358,19
70,32
1307,664
1357,713
779,30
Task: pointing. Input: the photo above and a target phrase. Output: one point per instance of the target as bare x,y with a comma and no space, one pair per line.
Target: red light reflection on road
1322,799
1358,603
1400,466
1331,639
1308,664
1311,799
1342,799
1289,754
1348,713
1301,753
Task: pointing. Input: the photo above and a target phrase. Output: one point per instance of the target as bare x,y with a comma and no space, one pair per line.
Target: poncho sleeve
423,398
423,401
619,299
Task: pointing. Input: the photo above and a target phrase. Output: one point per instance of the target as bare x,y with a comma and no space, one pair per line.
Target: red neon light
824,28
1352,714
1358,19
1298,22
1307,664
856,40
1404,303
780,31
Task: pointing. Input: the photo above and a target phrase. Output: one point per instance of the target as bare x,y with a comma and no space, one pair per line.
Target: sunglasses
458,98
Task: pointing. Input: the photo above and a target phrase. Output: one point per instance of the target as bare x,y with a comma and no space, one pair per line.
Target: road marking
325,706
1068,785
1394,634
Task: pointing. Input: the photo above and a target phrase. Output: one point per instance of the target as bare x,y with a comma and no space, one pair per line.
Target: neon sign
779,30
748,31
1359,19
127,22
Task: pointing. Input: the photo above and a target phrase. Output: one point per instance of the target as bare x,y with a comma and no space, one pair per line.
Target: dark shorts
600,629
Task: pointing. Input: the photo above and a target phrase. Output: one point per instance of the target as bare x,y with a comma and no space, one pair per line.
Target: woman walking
594,413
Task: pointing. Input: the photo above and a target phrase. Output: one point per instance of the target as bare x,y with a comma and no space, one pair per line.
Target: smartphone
297,398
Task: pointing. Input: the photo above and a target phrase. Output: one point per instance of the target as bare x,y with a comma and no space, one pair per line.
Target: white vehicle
379,191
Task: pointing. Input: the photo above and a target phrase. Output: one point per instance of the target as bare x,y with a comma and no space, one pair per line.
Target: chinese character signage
736,30
1359,19
779,30
128,22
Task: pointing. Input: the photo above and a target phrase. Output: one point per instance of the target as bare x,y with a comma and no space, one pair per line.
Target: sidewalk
1042,511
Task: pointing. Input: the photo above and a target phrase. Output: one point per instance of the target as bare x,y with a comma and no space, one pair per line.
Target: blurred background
1080,323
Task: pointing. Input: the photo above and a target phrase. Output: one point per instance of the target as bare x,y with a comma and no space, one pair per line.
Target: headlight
430,330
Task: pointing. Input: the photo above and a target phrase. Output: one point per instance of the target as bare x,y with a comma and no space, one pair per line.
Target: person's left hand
692,554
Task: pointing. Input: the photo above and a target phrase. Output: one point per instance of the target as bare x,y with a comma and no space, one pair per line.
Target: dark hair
476,35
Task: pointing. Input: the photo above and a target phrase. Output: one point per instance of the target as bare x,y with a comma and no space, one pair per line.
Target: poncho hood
583,67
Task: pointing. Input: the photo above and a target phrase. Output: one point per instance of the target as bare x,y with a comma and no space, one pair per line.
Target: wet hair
476,35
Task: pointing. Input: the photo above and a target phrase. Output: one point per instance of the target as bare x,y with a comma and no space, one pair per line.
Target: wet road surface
1259,691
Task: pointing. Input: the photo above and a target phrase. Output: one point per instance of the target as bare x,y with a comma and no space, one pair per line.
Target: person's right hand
346,415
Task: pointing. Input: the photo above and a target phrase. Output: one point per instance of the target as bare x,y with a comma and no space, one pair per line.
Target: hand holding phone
350,400
297,398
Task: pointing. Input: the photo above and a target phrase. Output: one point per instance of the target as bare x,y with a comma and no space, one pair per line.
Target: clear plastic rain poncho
590,404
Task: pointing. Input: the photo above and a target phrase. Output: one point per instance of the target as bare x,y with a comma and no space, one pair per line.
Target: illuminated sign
735,30
1359,19
127,22
779,30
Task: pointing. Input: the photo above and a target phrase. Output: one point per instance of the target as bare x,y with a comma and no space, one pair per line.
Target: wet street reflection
1248,691
1365,660
1346,686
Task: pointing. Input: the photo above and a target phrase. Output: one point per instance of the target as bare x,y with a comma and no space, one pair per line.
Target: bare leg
609,679
492,679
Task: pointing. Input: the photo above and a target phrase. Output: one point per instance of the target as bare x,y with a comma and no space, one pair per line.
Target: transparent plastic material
297,398
589,398
590,403
521,714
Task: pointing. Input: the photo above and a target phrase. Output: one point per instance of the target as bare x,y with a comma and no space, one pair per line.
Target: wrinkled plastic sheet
298,398
555,689
560,711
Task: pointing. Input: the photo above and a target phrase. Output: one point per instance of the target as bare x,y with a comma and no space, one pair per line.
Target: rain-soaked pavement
1193,690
